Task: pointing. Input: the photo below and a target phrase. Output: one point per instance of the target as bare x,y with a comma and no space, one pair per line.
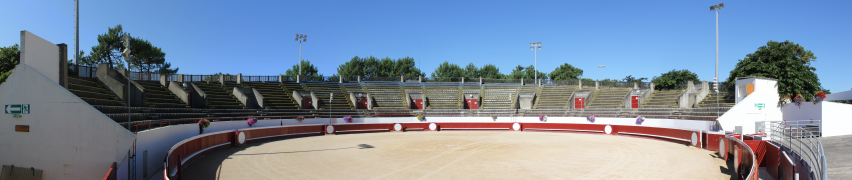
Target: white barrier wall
40,54
67,138
836,118
746,112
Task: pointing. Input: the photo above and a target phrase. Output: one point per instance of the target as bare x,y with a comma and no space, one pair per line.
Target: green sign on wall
17,109
759,105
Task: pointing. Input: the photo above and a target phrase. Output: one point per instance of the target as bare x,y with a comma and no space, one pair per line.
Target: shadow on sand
208,166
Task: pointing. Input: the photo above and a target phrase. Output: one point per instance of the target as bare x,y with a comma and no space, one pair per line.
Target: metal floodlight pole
535,47
601,67
301,38
716,8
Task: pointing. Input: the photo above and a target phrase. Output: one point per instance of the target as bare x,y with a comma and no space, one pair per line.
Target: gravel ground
460,155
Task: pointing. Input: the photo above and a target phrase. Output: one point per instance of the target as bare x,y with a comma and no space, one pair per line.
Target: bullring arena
102,123
461,155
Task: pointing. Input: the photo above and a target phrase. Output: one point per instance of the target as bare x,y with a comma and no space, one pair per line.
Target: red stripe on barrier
407,126
564,126
474,126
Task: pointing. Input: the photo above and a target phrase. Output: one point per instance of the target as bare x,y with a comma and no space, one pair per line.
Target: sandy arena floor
460,155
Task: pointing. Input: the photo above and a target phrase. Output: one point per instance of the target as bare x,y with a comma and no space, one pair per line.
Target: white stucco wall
68,138
805,111
40,54
836,119
745,114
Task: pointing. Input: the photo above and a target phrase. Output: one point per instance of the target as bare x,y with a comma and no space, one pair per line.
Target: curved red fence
745,159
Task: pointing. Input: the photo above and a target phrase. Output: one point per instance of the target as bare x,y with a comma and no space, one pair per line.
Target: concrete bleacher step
92,91
608,98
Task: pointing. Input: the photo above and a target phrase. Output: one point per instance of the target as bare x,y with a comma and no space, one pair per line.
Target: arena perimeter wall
158,141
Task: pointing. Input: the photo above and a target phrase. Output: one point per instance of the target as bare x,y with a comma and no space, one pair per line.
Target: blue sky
642,39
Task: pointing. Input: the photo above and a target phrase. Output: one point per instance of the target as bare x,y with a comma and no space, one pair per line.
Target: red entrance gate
416,104
472,104
634,102
579,103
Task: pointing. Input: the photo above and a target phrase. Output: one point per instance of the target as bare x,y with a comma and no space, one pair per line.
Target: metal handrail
802,142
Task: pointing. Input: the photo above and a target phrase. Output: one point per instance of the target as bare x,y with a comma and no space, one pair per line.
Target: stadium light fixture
301,38
534,46
601,67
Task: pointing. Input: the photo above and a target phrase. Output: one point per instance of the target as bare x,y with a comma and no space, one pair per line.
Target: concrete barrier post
298,79
597,85
222,79
480,80
652,85
522,82
240,78
340,78
63,65
580,83
163,80
401,78
180,78
280,78
359,78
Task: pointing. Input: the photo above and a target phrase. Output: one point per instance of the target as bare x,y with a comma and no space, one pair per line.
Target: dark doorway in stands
307,103
361,104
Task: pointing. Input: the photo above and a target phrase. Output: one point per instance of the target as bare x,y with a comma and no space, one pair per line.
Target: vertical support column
340,78
163,80
180,78
462,80
652,85
359,78
298,79
420,79
539,82
580,83
222,79
480,80
63,65
597,85
522,81
401,78
280,78
635,85
240,78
